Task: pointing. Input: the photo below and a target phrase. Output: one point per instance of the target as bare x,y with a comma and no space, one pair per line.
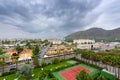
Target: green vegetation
1,51
105,57
2,56
48,72
84,76
37,71
55,61
19,49
25,71
57,65
36,55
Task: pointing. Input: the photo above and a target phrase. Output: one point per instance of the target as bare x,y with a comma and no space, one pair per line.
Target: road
7,68
42,53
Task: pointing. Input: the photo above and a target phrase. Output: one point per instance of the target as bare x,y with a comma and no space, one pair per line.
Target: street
42,53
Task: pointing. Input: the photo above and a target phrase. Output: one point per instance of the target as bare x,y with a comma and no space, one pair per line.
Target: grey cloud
52,17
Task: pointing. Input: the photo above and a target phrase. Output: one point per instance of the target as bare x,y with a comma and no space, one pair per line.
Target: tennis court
71,72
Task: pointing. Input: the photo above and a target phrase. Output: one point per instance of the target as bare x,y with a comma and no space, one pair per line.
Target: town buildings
91,44
84,43
55,41
24,55
58,49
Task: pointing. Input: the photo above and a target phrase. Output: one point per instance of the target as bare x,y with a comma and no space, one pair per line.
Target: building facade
55,50
83,41
55,41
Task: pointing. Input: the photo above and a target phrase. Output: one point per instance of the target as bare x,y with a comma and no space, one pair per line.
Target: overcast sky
55,18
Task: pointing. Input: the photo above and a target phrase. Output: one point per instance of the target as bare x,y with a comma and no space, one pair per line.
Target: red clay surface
72,73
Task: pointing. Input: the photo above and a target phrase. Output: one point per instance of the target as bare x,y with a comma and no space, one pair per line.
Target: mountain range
98,34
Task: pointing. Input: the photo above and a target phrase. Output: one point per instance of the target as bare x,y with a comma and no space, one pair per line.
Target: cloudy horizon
55,18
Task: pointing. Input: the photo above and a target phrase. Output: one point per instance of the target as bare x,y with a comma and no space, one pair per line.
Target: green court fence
109,76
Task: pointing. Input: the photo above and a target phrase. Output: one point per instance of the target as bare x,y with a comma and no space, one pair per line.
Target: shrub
62,60
43,74
12,72
8,73
5,73
55,61
43,64
50,75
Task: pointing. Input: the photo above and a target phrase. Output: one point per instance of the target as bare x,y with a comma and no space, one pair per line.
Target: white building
84,46
108,46
84,41
55,41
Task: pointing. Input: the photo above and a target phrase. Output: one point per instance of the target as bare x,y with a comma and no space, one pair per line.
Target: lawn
54,66
13,76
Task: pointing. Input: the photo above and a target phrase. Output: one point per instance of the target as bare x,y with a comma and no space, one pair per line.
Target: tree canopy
83,76
25,71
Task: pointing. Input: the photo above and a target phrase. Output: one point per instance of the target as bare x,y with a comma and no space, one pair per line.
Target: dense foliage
105,57
84,76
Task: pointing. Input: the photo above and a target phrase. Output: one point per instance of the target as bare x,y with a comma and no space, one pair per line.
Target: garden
57,70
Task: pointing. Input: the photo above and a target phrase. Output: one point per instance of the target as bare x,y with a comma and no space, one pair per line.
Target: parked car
13,67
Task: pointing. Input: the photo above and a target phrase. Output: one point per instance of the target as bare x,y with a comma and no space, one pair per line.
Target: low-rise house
55,50
25,55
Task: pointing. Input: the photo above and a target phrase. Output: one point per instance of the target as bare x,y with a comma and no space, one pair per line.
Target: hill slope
96,33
